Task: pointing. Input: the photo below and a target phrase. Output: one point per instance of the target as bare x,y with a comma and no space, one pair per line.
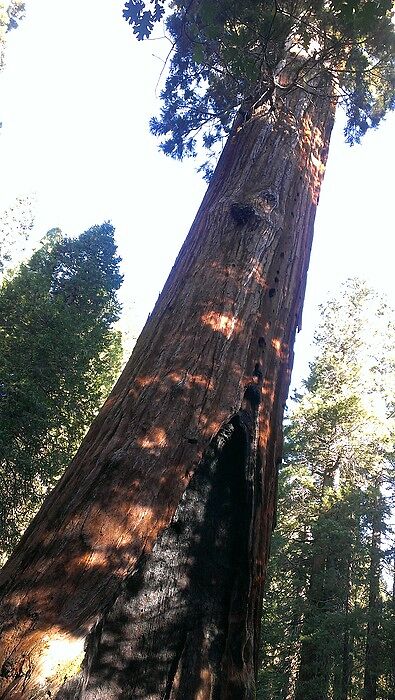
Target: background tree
59,356
323,625
164,572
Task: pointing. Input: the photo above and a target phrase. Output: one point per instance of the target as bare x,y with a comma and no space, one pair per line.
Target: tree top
230,55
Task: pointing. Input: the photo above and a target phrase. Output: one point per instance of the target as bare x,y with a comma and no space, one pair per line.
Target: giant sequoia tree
147,561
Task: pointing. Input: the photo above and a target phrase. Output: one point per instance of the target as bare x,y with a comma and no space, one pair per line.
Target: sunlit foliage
232,55
59,356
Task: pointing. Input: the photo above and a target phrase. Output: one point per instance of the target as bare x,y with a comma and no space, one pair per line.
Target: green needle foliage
332,547
59,356
230,55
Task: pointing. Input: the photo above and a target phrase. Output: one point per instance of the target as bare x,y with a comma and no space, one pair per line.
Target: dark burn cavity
172,620
243,213
253,394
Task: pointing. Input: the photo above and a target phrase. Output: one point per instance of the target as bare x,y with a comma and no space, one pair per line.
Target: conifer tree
322,624
59,356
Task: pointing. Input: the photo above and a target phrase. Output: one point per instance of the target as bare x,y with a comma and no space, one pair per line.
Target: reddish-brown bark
210,369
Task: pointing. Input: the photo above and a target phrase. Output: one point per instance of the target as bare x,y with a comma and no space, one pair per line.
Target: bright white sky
75,100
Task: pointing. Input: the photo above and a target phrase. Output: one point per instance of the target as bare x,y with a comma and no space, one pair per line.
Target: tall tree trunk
342,662
346,650
152,548
314,667
391,675
372,650
314,670
291,658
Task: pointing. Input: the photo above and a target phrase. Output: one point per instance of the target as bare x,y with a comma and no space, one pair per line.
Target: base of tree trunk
178,629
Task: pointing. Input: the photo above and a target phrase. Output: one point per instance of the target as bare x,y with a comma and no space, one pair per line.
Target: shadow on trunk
168,635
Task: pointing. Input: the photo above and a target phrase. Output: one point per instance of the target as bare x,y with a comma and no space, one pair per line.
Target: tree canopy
228,56
59,356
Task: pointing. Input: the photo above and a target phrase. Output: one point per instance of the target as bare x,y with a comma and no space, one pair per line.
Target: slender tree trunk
391,675
314,667
342,662
372,650
152,548
291,658
346,651
313,675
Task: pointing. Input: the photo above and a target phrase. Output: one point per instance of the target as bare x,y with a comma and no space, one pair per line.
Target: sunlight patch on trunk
61,658
227,325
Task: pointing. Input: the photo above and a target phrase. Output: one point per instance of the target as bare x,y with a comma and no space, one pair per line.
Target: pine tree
326,554
59,356
193,427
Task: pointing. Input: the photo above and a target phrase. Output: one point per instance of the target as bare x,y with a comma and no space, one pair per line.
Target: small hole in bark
6,669
262,342
133,583
292,213
269,200
177,526
276,279
242,213
192,441
257,371
176,390
282,255
272,292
